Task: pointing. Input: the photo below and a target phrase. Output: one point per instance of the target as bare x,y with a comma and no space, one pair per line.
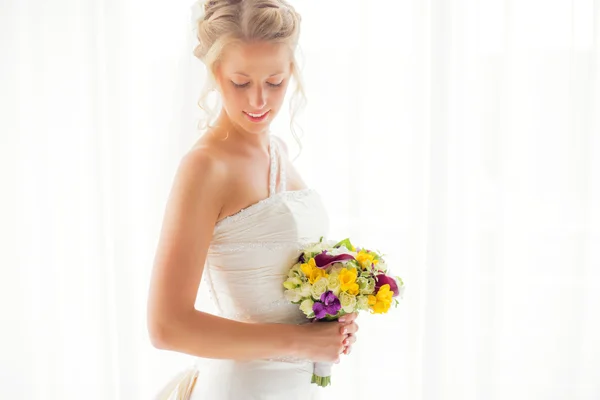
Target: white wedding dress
248,260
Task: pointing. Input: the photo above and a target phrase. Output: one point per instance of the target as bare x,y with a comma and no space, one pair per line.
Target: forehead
261,58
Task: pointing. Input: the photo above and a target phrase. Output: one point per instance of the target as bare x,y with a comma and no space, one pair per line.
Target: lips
257,117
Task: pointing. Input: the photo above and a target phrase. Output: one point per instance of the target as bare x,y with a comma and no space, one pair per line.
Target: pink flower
323,260
383,279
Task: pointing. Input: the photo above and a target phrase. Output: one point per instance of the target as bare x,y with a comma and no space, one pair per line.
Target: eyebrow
248,76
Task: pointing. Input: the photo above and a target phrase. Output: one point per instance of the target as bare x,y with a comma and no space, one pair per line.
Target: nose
257,98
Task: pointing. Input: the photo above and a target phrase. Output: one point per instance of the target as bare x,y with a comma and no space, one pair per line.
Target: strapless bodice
252,251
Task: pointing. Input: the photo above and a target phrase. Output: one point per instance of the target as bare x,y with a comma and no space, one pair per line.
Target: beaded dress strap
277,166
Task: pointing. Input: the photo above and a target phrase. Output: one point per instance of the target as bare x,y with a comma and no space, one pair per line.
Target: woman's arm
174,324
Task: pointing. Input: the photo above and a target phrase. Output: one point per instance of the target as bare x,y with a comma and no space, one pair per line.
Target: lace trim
226,248
292,360
256,207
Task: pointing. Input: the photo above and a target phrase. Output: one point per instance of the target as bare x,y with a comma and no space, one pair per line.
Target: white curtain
462,138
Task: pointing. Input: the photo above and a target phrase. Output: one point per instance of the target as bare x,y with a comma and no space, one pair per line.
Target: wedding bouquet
333,279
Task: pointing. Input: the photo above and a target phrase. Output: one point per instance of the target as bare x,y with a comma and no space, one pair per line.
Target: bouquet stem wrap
322,374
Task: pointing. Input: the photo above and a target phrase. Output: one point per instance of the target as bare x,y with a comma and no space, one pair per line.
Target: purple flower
383,279
323,260
301,258
319,310
329,304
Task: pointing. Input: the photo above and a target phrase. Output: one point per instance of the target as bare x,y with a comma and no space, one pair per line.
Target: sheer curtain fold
461,138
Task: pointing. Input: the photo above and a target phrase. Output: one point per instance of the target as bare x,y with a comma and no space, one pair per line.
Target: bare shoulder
200,180
203,164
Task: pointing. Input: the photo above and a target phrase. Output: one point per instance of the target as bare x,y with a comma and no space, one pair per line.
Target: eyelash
246,84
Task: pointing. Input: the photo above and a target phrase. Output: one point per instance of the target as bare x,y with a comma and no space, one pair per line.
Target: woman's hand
348,327
326,341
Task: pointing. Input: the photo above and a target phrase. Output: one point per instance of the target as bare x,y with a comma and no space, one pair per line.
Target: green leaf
345,242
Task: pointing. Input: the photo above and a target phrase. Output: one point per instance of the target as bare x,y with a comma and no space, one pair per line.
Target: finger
347,350
350,340
349,329
348,318
347,340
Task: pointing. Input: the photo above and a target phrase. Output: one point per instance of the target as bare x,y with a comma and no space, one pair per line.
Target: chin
253,127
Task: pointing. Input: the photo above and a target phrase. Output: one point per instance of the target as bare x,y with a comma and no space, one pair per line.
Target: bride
237,216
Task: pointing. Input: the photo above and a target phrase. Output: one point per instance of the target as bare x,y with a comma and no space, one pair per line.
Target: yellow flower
348,281
381,302
317,274
308,267
312,272
365,259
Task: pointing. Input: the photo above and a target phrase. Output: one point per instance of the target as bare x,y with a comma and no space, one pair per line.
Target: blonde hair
229,21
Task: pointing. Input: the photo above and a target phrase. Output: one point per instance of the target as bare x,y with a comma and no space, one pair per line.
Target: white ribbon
322,369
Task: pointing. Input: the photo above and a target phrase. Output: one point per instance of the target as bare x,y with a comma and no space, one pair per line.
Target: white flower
292,283
198,11
336,251
366,285
307,307
318,288
351,264
335,268
292,295
304,289
348,302
362,303
381,266
333,284
316,248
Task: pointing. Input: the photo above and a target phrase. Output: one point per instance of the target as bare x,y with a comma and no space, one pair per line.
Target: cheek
233,99
276,98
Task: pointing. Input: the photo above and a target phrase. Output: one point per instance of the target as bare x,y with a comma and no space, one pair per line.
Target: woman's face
253,79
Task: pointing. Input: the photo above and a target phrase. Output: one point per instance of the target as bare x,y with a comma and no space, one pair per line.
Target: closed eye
243,85
240,85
